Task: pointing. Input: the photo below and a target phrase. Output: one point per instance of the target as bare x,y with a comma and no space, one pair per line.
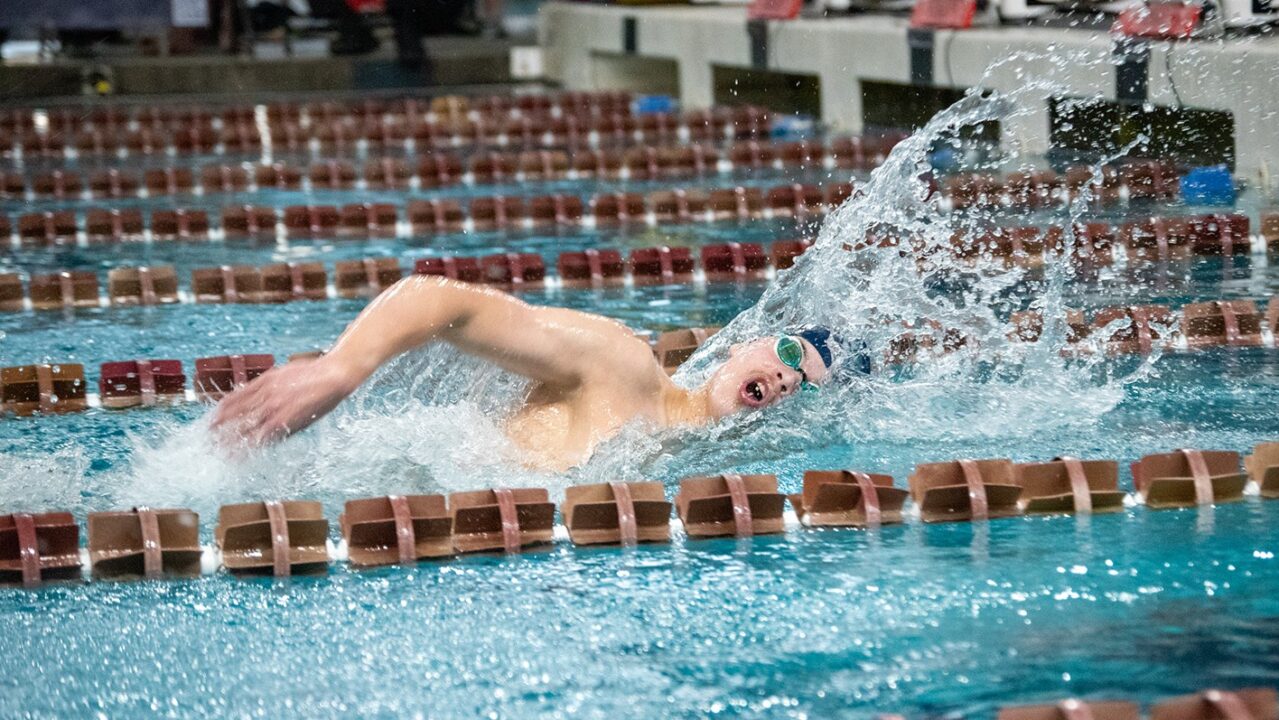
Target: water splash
882,265
37,482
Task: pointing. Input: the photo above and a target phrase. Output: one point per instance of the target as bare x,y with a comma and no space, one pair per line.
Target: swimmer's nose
788,382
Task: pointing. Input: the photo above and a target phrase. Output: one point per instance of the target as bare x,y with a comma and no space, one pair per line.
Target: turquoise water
929,620
951,620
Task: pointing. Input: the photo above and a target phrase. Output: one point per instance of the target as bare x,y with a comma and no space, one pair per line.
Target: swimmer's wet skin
592,375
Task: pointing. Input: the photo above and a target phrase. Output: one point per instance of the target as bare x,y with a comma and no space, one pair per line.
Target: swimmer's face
754,377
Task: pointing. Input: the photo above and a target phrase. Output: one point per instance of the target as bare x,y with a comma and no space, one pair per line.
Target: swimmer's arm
552,345
545,344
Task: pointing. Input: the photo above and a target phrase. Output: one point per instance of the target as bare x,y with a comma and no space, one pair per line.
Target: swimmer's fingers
271,428
234,432
258,428
245,398
284,400
273,414
232,409
230,405
238,414
226,413
283,417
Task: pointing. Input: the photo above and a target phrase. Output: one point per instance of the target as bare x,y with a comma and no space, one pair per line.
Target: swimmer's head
767,370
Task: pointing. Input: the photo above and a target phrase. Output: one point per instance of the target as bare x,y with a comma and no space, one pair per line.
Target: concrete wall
1239,75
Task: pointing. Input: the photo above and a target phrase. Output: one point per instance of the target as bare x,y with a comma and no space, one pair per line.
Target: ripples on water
952,619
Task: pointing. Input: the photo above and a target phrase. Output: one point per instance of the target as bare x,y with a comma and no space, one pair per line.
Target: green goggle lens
791,353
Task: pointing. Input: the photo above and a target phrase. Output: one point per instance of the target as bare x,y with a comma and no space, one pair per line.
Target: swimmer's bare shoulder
556,346
610,352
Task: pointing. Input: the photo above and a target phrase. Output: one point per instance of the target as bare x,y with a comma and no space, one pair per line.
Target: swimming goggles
791,352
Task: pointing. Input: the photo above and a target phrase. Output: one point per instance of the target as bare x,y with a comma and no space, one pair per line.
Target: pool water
946,620
929,620
950,620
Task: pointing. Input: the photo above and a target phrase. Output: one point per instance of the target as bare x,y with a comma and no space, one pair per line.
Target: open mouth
754,393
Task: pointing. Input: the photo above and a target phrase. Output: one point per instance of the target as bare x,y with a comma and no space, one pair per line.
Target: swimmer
591,375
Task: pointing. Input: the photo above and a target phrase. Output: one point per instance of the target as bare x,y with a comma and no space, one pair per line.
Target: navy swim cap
855,355
819,338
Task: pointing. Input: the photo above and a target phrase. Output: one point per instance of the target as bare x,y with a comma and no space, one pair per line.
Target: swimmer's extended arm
551,345
545,344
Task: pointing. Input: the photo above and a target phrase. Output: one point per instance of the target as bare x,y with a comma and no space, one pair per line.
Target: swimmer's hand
284,400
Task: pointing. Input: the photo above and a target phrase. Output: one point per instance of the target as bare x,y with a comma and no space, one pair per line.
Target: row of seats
441,169
283,282
239,137
282,538
117,117
438,216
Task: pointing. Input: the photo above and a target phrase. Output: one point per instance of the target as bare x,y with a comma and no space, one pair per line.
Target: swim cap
819,338
854,356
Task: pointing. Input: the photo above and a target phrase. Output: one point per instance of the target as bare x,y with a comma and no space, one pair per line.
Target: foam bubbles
38,482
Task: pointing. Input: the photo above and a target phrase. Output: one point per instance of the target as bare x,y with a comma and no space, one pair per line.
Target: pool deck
677,48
